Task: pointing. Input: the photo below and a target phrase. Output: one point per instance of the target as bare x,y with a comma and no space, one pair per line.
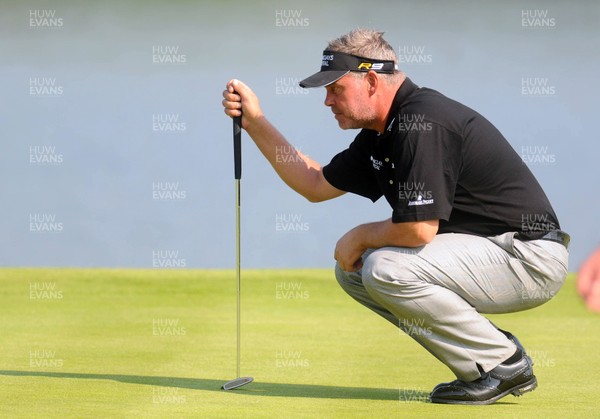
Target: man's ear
373,81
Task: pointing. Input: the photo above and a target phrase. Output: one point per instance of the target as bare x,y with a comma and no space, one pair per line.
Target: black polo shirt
439,159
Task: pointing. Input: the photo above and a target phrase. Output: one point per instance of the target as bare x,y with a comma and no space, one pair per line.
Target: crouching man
471,230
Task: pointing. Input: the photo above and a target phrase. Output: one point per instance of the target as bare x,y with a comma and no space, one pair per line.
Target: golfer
471,230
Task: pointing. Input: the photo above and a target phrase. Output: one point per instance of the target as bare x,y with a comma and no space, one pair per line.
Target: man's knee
340,275
347,280
376,269
387,266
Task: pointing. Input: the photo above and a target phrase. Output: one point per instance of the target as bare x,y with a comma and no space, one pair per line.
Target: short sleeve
351,170
427,168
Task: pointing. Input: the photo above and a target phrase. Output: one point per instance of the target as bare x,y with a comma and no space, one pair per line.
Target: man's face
348,99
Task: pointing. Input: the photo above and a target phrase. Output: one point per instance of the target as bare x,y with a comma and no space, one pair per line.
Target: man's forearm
298,171
352,245
386,233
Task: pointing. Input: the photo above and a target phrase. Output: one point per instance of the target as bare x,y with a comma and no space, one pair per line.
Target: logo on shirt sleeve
420,201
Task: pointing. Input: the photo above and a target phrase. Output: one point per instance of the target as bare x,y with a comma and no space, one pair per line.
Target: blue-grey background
101,124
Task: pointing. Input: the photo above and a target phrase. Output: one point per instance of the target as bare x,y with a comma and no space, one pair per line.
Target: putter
237,158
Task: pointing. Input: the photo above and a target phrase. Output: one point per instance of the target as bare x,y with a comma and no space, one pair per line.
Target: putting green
160,343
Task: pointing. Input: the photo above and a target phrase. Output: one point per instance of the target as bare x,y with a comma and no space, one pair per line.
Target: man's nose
328,99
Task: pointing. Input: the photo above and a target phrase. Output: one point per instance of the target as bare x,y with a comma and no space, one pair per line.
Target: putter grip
237,146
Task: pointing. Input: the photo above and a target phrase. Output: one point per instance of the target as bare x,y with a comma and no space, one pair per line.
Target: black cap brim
323,78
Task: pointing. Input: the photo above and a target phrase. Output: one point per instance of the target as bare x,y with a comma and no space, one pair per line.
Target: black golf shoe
516,379
512,338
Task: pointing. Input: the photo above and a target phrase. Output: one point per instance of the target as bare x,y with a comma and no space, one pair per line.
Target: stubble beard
359,118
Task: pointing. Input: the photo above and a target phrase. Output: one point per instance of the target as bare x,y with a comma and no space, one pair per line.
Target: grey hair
366,43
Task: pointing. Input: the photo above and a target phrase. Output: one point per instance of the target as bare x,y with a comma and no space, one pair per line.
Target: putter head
238,382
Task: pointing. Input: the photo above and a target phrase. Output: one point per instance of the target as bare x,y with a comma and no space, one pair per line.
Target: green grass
160,343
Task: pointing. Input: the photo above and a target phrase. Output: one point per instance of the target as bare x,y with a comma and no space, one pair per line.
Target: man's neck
385,104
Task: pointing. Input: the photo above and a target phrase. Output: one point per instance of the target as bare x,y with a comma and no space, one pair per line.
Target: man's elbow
426,232
426,238
321,195
313,198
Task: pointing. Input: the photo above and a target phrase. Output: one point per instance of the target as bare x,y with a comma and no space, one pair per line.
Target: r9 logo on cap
370,66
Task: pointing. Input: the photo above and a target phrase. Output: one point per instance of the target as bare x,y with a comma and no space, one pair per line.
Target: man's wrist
254,124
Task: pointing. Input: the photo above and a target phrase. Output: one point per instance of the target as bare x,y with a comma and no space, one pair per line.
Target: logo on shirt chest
376,163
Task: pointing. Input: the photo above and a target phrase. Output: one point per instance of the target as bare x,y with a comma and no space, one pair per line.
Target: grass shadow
254,389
